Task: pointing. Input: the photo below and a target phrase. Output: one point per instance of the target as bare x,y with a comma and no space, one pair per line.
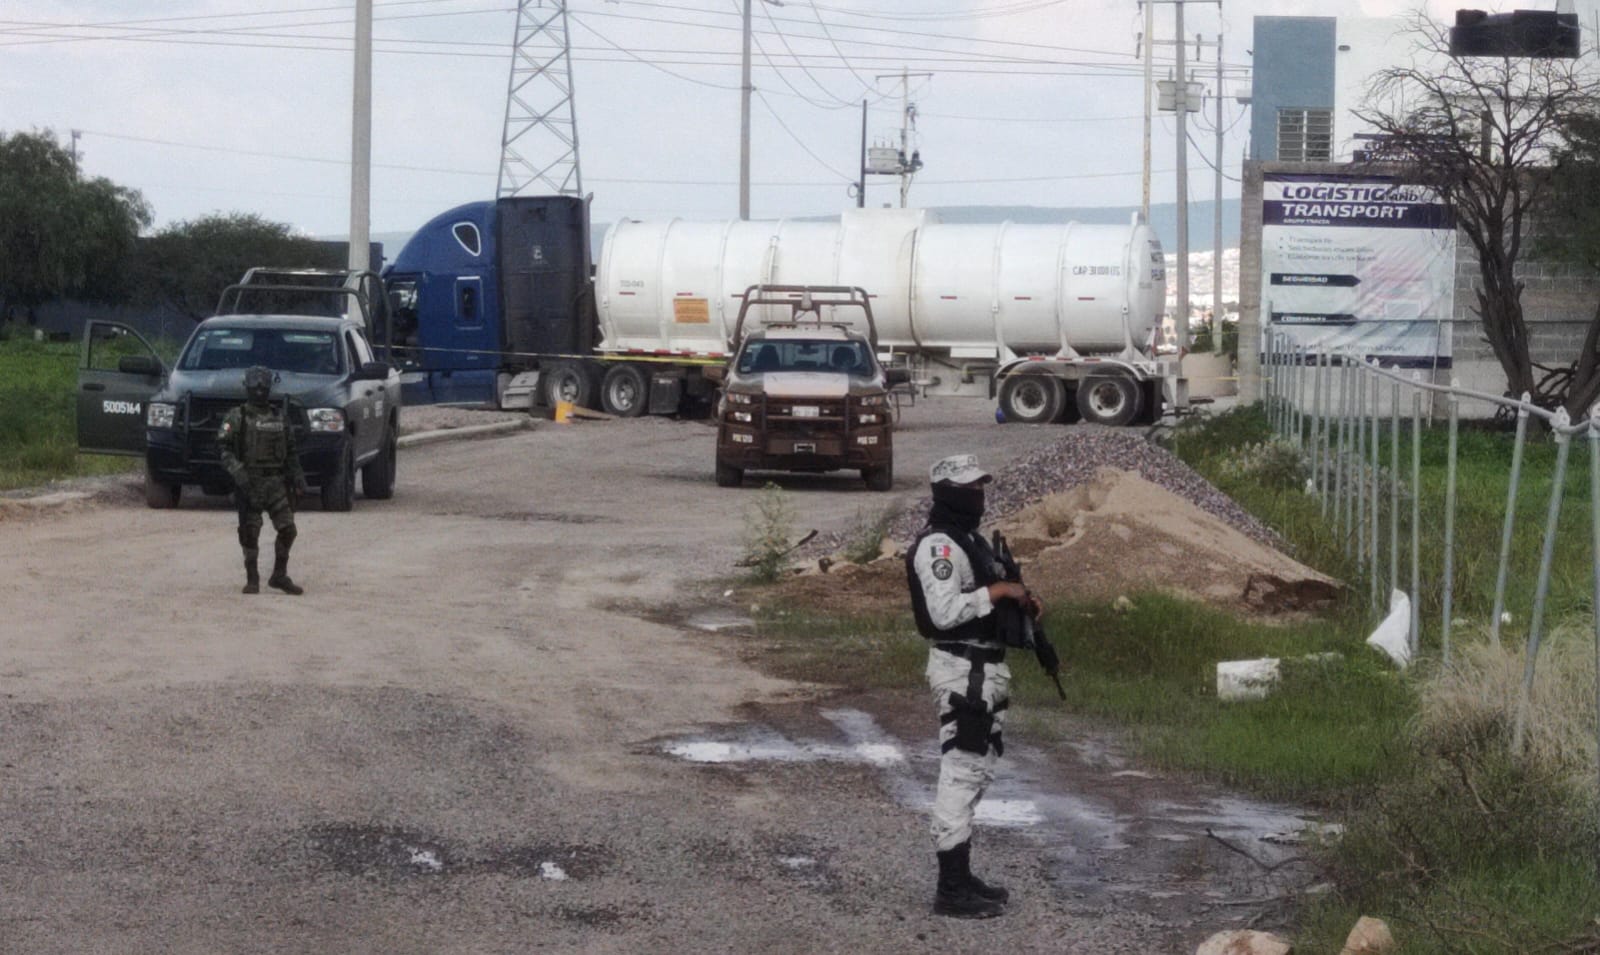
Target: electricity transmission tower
539,147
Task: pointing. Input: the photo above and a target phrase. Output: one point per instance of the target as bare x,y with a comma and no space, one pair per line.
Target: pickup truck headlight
160,415
739,398
326,419
873,401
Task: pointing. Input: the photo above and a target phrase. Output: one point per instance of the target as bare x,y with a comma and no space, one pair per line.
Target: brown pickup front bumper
830,437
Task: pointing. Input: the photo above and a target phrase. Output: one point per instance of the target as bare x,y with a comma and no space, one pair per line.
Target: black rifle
1032,636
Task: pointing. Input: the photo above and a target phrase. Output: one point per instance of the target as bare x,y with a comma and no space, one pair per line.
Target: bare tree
1482,132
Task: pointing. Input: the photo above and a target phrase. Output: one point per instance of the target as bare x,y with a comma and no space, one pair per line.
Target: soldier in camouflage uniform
257,445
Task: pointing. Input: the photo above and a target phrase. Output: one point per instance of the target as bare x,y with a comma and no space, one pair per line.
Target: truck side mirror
897,376
147,365
373,371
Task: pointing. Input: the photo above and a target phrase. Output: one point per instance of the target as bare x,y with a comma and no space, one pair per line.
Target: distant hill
1163,218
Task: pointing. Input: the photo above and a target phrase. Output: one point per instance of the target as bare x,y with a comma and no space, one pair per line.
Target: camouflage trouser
972,699
265,493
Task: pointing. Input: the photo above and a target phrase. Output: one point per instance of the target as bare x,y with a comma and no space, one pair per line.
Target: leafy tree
188,264
1482,133
61,235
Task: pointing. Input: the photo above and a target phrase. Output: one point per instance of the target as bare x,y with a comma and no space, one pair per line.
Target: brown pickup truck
803,392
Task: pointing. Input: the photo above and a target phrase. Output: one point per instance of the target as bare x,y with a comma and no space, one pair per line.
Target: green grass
1464,849
1459,846
38,425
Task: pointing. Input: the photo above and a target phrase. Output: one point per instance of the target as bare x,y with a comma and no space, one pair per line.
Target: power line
843,179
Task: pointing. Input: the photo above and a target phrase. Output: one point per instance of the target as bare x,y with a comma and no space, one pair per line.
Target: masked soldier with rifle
968,599
257,445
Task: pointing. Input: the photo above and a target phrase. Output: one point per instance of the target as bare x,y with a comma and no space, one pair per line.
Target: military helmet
258,384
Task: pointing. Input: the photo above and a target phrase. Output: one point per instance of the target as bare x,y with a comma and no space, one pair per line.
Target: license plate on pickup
805,447
807,411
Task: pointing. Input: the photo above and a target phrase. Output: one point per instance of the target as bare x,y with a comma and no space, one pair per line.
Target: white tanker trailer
1058,320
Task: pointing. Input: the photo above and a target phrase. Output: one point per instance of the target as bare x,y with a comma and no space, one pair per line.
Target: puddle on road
1090,846
716,621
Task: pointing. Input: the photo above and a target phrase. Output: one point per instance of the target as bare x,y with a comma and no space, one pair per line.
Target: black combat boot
280,577
980,888
956,897
252,576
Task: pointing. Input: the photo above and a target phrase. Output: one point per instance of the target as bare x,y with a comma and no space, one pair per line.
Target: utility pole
1149,45
910,157
539,142
861,180
1216,241
1180,317
745,89
77,134
360,256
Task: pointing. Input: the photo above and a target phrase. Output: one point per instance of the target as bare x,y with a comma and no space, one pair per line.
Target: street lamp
744,117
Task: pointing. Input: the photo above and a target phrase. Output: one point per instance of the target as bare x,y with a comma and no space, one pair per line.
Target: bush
1273,463
867,543
768,525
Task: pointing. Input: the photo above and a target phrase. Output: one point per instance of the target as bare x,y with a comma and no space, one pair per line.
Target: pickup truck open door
118,371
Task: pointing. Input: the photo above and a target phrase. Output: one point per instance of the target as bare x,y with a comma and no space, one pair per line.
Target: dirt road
469,737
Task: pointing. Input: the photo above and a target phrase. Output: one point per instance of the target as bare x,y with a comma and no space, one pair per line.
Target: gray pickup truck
344,403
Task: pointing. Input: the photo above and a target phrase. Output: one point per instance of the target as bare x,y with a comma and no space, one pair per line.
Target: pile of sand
1120,533
1113,535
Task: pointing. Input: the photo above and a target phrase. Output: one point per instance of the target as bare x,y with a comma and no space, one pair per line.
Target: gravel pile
1073,460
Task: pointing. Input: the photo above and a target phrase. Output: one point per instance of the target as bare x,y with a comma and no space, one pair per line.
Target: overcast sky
244,105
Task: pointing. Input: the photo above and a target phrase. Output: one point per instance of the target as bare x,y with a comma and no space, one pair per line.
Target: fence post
1450,522
1416,515
1394,488
1377,476
1269,382
1300,398
1339,447
1511,517
1542,586
1359,483
1316,430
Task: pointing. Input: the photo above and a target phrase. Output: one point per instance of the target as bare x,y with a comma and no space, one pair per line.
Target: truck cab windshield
834,356
281,349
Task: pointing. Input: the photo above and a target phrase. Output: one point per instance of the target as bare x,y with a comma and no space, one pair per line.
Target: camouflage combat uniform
257,445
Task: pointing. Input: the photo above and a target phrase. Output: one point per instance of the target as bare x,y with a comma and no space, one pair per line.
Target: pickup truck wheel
339,490
1108,399
1031,399
878,479
728,475
625,392
377,478
569,381
159,495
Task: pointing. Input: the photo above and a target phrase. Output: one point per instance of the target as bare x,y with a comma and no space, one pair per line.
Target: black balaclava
258,386
957,505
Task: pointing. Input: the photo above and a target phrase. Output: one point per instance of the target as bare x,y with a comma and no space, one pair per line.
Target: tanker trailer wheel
1108,399
1031,399
625,391
569,381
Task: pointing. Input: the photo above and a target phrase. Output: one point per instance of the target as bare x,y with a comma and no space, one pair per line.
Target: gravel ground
476,691
1068,461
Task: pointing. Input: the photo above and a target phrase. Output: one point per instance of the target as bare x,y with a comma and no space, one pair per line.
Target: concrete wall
1558,302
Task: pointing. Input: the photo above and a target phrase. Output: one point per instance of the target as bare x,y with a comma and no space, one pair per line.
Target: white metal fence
1332,405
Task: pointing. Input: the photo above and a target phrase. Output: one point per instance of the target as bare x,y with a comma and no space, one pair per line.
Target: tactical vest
266,443
981,557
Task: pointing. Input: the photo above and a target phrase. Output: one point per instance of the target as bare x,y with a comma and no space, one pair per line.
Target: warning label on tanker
691,311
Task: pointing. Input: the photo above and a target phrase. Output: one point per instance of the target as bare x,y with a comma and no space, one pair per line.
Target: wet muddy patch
392,853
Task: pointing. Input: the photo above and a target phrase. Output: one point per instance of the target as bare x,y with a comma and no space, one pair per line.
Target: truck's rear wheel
625,392
1031,399
728,475
1108,399
568,381
159,495
878,479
